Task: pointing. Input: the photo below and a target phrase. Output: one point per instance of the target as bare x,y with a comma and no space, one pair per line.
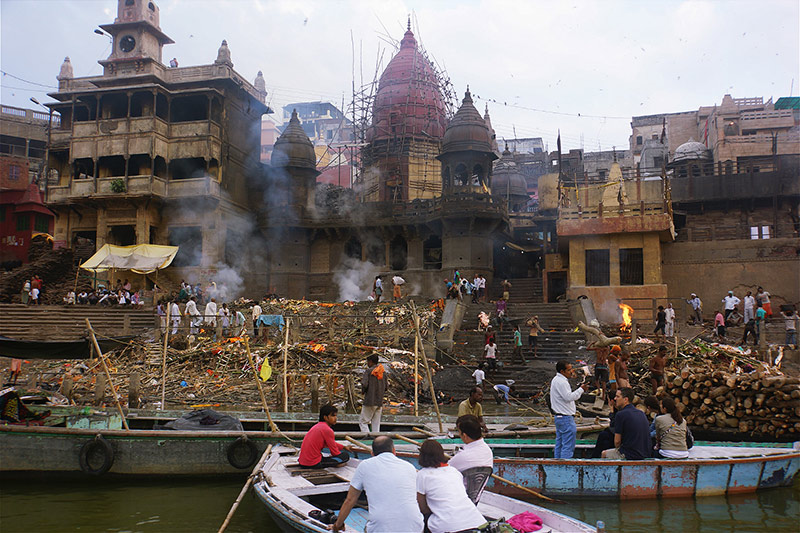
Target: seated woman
441,495
671,432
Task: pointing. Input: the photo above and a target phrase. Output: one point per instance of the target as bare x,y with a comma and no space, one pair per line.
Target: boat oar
244,489
358,444
496,477
424,432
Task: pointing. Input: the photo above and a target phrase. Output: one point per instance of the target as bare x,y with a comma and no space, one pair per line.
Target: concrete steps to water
61,322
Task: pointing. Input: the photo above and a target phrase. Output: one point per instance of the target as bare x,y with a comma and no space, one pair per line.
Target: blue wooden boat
711,469
290,494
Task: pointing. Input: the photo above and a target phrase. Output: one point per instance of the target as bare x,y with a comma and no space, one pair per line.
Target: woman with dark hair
441,495
671,431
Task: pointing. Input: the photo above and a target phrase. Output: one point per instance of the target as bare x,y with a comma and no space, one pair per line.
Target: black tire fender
96,445
242,448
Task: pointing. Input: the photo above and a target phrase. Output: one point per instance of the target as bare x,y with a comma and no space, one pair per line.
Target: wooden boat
95,444
291,493
711,469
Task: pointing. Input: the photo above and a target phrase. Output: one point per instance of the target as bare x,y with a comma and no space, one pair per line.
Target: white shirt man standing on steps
562,402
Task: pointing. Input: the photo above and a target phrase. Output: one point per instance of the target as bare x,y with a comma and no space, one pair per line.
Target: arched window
460,176
398,253
352,248
376,251
432,253
477,176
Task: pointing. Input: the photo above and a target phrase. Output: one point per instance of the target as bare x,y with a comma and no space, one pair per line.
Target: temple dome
408,102
691,150
467,130
293,148
507,181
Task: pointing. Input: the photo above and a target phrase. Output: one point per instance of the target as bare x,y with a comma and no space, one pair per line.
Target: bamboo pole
272,425
247,484
108,374
416,367
285,370
164,358
427,367
495,476
358,444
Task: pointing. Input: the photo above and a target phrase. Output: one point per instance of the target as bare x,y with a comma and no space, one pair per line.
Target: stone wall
712,268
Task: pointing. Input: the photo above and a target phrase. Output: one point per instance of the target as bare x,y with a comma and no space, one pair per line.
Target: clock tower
137,38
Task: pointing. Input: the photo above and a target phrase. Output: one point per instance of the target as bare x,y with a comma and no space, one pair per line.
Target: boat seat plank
330,488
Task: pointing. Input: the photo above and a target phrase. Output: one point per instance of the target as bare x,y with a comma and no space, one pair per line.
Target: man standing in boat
562,402
391,488
373,385
321,436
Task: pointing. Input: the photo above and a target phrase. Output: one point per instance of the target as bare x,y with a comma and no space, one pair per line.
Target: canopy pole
164,359
78,271
108,374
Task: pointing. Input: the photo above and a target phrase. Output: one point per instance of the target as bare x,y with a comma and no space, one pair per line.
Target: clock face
127,43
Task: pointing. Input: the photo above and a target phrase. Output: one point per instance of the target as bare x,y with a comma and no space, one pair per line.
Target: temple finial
409,22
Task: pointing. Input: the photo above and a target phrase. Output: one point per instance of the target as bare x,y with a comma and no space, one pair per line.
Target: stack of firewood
759,402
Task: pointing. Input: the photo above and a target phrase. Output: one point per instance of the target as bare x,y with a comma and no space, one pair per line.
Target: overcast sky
538,64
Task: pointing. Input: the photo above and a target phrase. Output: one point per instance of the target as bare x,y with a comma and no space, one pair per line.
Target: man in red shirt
321,436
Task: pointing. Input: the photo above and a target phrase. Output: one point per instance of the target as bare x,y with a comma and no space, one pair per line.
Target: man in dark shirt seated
631,430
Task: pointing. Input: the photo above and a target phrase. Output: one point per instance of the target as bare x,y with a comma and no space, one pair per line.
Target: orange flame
627,314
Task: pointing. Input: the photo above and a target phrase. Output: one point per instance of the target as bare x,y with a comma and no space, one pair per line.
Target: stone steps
57,322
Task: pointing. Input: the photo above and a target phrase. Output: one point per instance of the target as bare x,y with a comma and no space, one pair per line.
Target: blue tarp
271,320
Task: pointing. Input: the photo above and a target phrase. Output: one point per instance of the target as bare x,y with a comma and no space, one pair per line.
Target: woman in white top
671,431
441,494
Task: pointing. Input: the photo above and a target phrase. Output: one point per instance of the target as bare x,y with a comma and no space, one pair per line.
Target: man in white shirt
391,488
479,375
475,451
210,313
749,307
175,317
562,402
256,313
194,315
670,323
730,302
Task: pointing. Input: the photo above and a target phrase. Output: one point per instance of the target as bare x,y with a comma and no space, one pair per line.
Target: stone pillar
102,228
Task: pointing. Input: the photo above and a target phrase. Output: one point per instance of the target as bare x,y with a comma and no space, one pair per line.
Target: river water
85,504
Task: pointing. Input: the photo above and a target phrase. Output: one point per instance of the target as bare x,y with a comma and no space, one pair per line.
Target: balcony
629,218
96,188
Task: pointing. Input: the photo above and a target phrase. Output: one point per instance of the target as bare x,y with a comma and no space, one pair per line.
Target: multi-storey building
145,153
